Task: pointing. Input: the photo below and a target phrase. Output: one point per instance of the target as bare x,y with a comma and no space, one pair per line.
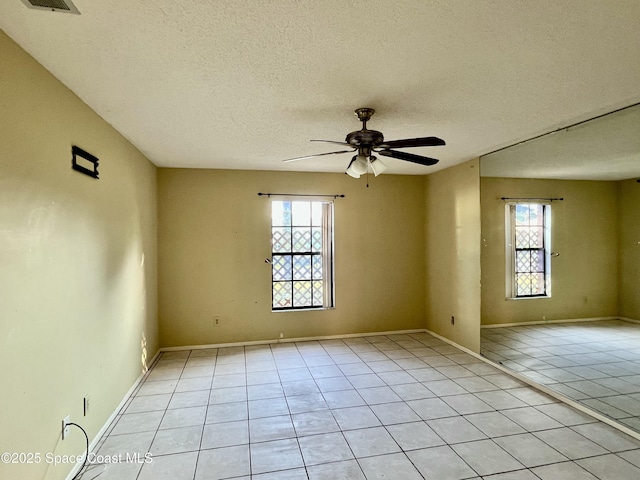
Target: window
528,255
301,254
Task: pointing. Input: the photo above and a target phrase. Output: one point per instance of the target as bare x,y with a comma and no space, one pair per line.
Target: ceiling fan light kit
377,166
365,142
359,165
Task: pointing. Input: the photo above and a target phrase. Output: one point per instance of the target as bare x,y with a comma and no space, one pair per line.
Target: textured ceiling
246,83
605,148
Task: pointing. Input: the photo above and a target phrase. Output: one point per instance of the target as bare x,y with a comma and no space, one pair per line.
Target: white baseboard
454,344
632,320
112,417
547,322
291,340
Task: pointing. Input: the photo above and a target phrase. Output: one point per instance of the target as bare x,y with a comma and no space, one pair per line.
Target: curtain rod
260,194
531,198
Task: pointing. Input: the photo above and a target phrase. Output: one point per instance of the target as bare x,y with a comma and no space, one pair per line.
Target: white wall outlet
281,335
216,321
86,403
65,426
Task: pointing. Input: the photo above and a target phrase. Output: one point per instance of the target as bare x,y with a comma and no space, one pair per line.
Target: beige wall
584,233
77,277
629,249
453,253
214,235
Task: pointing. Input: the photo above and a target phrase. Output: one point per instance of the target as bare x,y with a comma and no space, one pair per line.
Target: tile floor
380,407
594,363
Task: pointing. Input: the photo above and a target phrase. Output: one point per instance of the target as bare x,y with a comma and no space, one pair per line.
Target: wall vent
65,6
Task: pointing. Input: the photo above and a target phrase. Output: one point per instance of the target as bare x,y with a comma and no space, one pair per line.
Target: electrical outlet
85,404
65,426
216,321
281,335
453,320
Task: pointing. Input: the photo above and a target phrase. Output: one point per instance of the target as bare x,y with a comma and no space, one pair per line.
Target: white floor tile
392,413
306,403
184,417
610,467
571,444
467,404
440,463
430,408
455,430
564,471
275,455
355,417
148,403
324,448
221,463
517,475
348,470
127,443
368,442
413,391
414,436
529,450
180,466
313,423
486,458
138,422
343,399
226,434
176,440
271,428
271,407
607,437
293,474
494,424
384,467
228,395
378,395
531,419
189,399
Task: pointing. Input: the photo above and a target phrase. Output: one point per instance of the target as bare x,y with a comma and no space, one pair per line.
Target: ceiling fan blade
409,157
317,155
413,142
334,142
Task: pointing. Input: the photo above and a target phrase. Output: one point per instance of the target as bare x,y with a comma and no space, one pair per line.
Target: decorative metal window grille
302,254
528,249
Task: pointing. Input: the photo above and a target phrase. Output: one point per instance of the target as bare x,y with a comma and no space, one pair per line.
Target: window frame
511,250
326,255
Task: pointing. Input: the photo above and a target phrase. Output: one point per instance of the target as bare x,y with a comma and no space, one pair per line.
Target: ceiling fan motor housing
365,138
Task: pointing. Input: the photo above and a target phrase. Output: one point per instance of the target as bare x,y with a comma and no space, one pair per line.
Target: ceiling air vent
65,6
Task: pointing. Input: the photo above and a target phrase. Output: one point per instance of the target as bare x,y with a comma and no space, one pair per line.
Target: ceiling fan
366,142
